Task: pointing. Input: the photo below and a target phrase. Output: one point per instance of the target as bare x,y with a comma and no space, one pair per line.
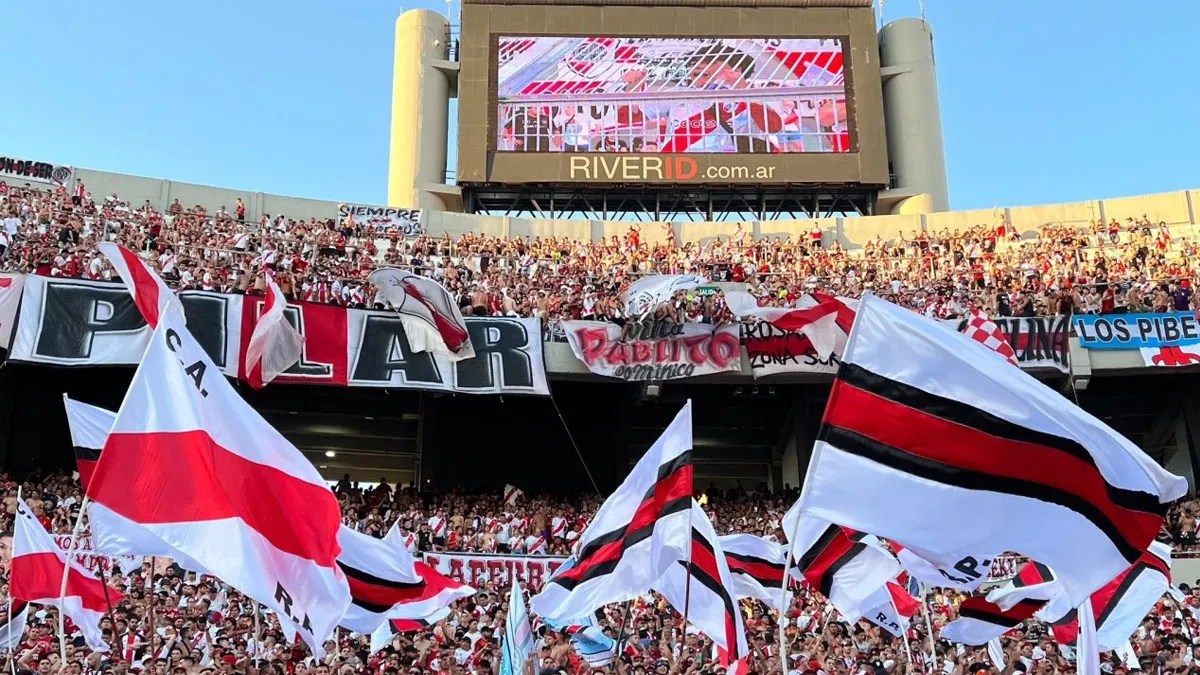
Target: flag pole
150,609
112,616
687,583
783,591
12,661
928,623
62,589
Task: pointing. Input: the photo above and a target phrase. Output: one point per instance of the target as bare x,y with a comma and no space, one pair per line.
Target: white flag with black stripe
984,458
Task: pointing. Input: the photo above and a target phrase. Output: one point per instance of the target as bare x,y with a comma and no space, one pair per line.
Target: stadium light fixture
330,453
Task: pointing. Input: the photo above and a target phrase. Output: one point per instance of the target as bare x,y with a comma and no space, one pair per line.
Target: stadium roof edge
685,3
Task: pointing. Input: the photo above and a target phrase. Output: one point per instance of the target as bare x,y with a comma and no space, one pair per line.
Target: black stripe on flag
703,568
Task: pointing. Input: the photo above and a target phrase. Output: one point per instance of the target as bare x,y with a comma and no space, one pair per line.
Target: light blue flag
589,640
518,635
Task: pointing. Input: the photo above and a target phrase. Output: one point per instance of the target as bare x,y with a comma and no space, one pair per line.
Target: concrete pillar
912,113
421,85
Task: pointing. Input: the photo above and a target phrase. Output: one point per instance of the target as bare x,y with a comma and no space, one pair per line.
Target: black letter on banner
206,322
304,367
383,349
73,315
492,338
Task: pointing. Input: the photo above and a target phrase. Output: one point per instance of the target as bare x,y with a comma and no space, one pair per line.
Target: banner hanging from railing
1039,342
475,569
67,322
406,222
1165,340
653,351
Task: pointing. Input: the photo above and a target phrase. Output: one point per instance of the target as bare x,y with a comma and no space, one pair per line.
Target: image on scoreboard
671,95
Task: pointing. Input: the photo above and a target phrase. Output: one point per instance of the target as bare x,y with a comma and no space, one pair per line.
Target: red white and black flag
12,625
757,566
980,621
382,574
89,428
1122,604
708,596
992,459
639,532
432,320
275,345
844,565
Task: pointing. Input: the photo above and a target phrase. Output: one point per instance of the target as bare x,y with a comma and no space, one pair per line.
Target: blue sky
1042,101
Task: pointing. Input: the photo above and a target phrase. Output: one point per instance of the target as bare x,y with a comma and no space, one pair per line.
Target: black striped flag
931,441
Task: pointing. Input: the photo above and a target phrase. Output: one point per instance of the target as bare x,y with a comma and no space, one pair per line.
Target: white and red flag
757,566
512,494
190,471
89,427
980,621
994,460
980,328
381,574
824,319
890,607
639,532
36,576
150,293
1122,604
432,320
275,345
708,598
437,592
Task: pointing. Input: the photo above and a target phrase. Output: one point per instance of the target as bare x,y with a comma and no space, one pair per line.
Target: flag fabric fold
89,427
996,461
639,532
512,494
190,471
756,566
517,644
437,592
150,293
707,596
36,574
890,607
275,344
980,621
383,634
824,319
432,320
381,573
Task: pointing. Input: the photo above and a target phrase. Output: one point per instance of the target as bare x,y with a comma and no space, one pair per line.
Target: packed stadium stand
1136,255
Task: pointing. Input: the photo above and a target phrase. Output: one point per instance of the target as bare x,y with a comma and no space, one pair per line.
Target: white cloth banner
475,569
11,286
408,222
695,350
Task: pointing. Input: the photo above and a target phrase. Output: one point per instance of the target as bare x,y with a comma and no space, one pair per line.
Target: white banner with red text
71,322
475,569
1039,342
654,351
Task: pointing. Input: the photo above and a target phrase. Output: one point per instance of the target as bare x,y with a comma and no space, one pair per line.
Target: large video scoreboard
726,94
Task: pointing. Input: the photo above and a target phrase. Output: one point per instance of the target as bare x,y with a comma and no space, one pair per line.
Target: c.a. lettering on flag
993,460
171,481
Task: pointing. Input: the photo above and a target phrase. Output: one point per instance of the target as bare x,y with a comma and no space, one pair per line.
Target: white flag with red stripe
997,461
437,592
275,345
432,320
512,494
150,293
890,607
36,576
190,471
824,319
709,596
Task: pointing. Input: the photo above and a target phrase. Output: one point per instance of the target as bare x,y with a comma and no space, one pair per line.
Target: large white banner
70,322
11,286
408,222
474,569
654,351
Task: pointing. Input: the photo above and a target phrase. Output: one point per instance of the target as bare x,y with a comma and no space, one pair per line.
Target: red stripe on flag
383,595
818,572
704,564
145,286
676,486
178,477
86,468
37,577
762,570
924,435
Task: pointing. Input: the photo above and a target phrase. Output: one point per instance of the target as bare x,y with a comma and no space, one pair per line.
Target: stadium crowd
1128,266
172,623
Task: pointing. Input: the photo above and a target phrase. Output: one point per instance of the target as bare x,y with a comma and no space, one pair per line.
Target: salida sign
692,349
83,323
